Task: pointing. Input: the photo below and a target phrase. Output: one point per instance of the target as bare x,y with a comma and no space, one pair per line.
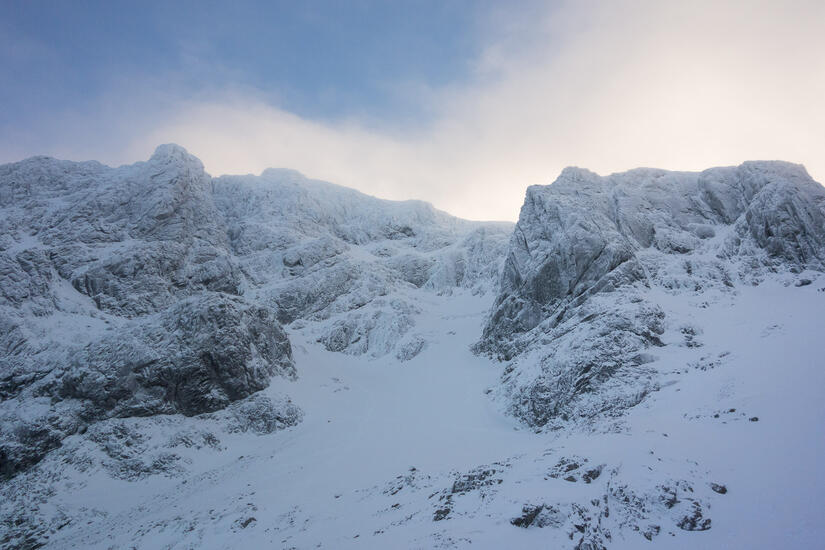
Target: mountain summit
577,290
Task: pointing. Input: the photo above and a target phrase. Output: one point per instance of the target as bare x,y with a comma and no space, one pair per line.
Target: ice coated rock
573,307
134,238
155,289
197,356
120,297
344,260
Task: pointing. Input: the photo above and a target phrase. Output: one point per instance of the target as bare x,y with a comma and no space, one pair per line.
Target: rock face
575,309
345,261
197,356
120,297
155,289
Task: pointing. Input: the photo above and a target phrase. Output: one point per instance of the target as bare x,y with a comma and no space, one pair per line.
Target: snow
330,479
394,433
772,467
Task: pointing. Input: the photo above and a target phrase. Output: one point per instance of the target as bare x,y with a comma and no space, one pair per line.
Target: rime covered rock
120,296
343,260
133,238
155,289
574,308
198,356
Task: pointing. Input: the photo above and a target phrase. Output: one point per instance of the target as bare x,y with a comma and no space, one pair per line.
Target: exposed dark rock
474,480
592,474
528,515
695,521
718,488
197,357
245,523
651,532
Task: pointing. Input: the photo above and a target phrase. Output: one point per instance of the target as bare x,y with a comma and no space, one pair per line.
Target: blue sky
461,103
316,59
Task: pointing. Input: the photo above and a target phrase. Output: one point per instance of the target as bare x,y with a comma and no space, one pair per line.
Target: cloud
604,85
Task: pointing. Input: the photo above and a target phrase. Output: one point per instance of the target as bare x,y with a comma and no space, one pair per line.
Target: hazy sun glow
604,85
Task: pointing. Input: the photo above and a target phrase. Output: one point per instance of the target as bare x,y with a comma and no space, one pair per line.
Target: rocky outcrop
155,289
134,239
345,261
120,297
573,310
196,357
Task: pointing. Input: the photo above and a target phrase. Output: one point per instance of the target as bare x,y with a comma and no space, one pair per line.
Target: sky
460,103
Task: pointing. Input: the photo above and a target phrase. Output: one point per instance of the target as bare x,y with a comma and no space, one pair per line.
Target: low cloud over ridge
607,86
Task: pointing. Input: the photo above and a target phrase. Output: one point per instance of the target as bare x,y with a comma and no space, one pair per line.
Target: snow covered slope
651,367
416,455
